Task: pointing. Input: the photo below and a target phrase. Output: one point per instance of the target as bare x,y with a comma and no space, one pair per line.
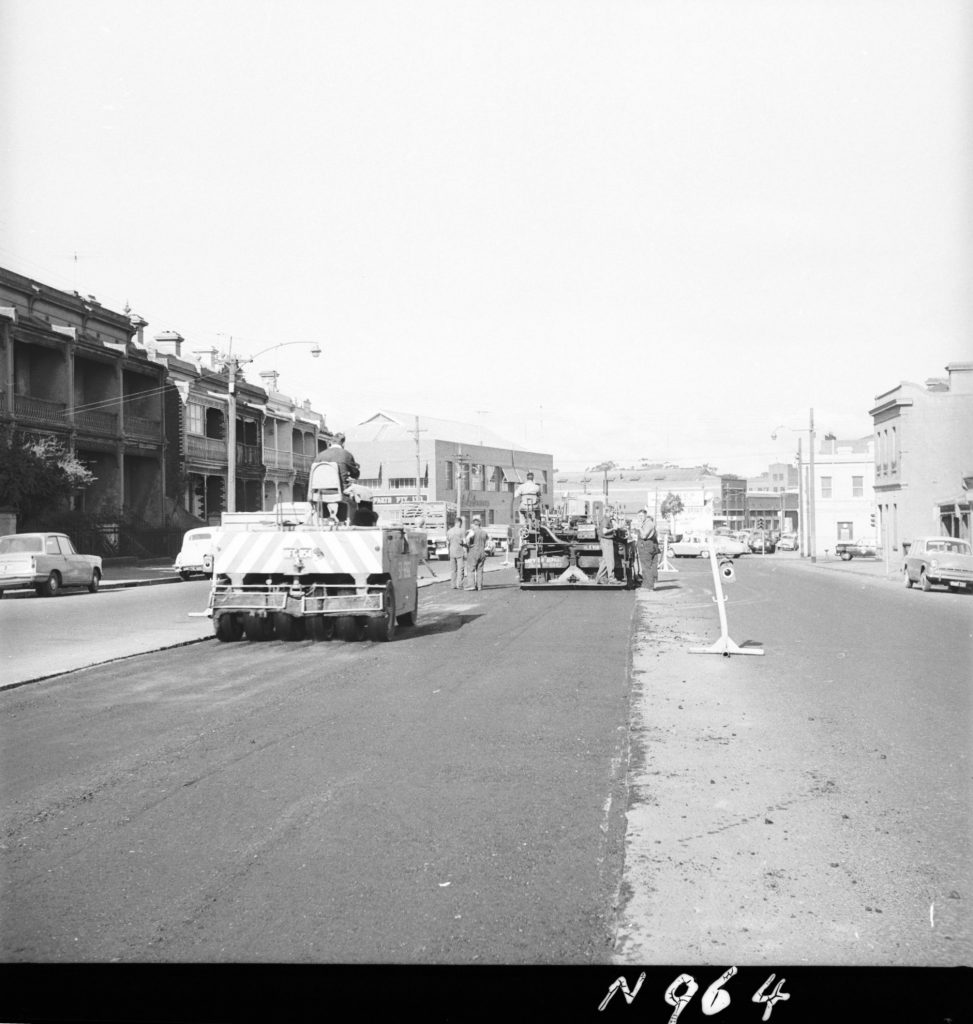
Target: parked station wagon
47,562
939,561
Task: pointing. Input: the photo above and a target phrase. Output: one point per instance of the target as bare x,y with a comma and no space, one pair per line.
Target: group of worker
468,548
467,553
640,541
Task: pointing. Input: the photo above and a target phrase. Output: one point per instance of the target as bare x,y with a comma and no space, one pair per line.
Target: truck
435,518
298,572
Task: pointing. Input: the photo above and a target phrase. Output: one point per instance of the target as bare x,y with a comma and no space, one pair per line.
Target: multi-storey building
292,435
275,439
843,491
923,440
406,458
72,369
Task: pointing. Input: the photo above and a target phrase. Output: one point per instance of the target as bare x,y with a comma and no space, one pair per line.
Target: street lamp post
233,366
811,547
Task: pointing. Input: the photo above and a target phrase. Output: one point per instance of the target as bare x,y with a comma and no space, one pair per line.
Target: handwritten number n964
714,1000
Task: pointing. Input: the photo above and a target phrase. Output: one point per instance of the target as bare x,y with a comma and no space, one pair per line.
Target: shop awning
513,475
400,469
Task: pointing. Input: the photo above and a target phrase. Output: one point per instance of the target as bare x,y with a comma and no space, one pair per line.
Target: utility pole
461,459
801,523
232,365
416,434
811,495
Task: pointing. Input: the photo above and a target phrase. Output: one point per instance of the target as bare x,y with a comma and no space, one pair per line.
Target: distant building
777,478
923,439
74,370
703,493
406,458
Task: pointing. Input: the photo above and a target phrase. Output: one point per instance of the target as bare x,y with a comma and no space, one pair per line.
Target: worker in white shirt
529,494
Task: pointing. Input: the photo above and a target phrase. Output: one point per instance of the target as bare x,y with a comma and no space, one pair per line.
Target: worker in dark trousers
648,550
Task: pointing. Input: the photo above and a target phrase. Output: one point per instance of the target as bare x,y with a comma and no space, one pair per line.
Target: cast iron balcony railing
40,410
278,458
96,422
141,426
211,449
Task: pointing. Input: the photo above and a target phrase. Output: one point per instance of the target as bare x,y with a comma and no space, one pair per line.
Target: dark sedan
762,544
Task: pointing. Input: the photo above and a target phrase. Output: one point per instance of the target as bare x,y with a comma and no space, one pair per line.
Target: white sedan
695,545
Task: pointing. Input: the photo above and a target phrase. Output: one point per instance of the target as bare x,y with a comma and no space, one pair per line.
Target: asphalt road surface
444,798
524,778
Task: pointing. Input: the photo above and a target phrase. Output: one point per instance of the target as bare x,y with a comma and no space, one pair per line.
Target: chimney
169,341
960,378
139,324
270,378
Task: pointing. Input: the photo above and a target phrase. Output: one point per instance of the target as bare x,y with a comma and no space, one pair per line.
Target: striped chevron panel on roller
356,552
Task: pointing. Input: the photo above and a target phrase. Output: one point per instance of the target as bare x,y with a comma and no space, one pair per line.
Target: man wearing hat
476,545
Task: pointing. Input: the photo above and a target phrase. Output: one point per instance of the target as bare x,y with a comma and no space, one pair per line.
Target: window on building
450,476
857,486
893,452
194,419
402,483
826,487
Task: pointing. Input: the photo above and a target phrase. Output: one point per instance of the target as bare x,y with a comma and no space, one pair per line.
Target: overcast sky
609,230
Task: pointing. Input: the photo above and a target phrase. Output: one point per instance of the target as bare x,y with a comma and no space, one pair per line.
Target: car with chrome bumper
695,545
846,550
195,557
939,562
47,562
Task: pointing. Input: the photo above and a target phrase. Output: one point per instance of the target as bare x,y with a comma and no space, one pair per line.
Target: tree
671,507
37,475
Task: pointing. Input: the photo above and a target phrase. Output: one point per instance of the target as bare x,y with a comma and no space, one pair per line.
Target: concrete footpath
123,572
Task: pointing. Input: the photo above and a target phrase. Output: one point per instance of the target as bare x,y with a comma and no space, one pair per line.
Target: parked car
939,562
846,550
788,542
696,545
47,562
762,543
195,557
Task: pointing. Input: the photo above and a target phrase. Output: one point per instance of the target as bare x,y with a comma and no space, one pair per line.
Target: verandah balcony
278,458
40,410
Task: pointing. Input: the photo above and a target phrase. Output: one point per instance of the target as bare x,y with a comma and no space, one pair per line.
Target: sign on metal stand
665,565
725,646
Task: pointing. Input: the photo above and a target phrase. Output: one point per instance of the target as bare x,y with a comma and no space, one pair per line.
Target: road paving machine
561,549
320,569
